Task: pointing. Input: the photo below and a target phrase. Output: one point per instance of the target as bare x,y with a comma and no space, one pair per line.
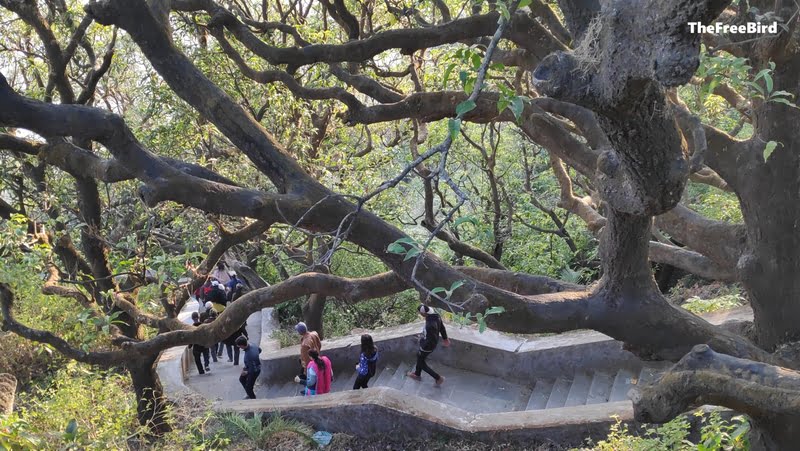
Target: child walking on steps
367,362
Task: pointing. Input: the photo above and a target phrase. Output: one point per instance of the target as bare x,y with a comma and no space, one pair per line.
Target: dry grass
587,52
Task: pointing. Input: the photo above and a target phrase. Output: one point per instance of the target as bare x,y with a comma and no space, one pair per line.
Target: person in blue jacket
252,366
367,362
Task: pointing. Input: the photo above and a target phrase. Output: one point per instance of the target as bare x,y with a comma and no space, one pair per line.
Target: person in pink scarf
319,375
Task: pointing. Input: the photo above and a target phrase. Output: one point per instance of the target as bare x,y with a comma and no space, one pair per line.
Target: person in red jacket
319,375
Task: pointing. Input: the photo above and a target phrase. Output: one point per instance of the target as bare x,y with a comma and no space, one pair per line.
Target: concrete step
559,394
622,383
540,394
600,390
344,381
384,374
351,380
290,388
579,390
399,376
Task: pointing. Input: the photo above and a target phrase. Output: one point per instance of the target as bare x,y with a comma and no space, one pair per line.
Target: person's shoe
208,368
440,381
297,379
413,375
219,355
230,360
235,364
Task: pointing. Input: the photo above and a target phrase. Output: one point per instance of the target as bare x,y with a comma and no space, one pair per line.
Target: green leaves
453,127
448,293
465,219
509,99
516,107
406,247
71,431
769,148
480,318
465,107
447,72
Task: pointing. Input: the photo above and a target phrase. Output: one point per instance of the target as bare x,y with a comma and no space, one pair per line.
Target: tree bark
770,395
8,392
313,308
150,400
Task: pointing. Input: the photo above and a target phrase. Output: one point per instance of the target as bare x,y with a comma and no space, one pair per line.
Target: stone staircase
479,393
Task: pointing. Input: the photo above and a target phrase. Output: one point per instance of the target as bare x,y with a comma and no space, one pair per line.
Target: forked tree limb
704,376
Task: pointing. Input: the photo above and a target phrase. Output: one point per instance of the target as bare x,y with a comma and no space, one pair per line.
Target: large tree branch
162,181
706,377
524,31
722,242
691,261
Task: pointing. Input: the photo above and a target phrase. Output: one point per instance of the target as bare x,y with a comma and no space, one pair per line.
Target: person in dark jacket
199,351
234,287
206,318
427,343
252,366
230,344
367,362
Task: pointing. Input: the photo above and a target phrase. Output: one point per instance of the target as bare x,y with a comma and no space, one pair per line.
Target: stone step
600,390
579,390
559,394
622,383
399,376
540,394
383,375
290,388
351,380
344,381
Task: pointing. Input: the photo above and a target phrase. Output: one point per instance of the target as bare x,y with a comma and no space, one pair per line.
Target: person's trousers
233,353
361,381
422,365
218,348
197,353
206,354
248,381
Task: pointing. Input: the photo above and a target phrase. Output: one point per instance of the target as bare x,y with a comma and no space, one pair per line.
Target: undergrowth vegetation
715,434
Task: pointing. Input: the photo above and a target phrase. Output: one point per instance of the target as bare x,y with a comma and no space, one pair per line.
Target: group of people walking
316,370
222,288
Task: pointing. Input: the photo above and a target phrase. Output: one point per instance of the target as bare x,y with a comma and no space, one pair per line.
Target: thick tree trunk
151,405
768,192
312,313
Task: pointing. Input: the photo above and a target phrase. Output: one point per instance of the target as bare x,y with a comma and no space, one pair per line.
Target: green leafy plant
259,431
716,434
464,319
766,91
405,246
698,305
15,434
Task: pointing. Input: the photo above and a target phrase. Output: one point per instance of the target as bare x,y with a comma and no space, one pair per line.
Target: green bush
716,434
259,432
698,305
81,409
